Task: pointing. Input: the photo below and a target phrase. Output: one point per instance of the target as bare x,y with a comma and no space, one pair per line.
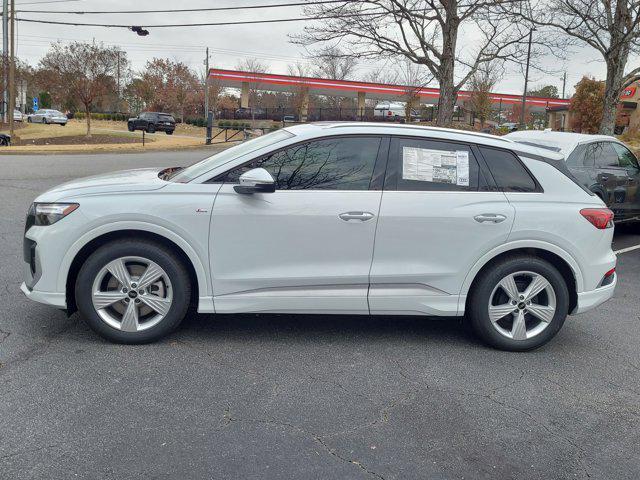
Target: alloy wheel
522,305
132,294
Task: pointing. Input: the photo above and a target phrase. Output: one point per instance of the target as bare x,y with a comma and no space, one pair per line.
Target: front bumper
593,298
54,299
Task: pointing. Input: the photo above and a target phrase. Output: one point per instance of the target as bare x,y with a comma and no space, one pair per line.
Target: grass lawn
107,136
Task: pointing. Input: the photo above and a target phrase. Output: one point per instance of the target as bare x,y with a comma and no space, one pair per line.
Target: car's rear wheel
518,303
151,129
169,132
133,291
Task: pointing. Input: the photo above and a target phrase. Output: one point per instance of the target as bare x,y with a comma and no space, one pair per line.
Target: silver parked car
17,116
48,116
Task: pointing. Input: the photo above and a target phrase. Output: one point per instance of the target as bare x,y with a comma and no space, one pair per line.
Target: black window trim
377,177
538,187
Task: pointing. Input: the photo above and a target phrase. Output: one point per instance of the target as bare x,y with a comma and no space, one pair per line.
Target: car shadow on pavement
305,328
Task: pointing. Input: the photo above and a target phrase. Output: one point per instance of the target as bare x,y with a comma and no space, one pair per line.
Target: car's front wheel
518,303
133,291
130,127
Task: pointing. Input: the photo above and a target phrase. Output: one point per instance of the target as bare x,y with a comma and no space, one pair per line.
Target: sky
269,43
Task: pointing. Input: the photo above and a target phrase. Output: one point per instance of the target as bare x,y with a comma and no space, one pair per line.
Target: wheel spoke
118,269
543,312
519,328
538,284
158,304
150,275
104,299
130,318
508,284
496,312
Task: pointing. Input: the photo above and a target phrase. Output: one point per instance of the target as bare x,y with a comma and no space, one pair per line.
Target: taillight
600,218
389,113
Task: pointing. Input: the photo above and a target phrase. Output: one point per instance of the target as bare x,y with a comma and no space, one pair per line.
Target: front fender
204,285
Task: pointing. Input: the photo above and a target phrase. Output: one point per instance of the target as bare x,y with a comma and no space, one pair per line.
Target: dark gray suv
152,122
603,164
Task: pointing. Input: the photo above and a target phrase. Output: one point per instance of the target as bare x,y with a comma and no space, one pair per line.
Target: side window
605,155
432,165
339,163
626,159
582,156
508,171
590,155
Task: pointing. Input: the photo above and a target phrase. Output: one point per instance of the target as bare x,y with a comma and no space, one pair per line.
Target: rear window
508,171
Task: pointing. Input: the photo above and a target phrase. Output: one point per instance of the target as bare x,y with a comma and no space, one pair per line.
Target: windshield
197,169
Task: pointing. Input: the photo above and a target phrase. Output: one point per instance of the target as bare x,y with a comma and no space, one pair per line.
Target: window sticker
441,166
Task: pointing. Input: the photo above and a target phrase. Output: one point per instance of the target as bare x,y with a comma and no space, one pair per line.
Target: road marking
628,249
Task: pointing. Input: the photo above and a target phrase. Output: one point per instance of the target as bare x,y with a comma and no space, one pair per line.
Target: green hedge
119,117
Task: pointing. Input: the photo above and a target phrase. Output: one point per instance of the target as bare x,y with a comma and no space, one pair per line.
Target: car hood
139,180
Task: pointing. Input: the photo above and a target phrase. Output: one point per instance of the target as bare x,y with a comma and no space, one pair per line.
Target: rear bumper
591,299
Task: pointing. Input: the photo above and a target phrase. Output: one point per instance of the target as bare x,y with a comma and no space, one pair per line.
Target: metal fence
318,114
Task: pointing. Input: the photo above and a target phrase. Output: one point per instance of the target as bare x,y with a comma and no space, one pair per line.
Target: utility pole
5,58
207,116
206,84
118,76
526,81
12,68
564,83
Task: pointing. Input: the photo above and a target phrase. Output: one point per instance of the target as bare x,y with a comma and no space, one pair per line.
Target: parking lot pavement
313,397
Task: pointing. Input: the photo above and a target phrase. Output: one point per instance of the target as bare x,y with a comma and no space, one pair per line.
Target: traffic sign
35,104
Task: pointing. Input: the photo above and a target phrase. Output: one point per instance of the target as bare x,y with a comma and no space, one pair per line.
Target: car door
628,161
613,178
440,213
142,121
307,247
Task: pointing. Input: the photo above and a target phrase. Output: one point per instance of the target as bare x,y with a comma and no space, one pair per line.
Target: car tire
63,124
45,121
130,127
151,129
169,132
524,330
131,315
29,120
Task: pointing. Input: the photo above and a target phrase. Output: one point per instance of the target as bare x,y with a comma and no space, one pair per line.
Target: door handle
489,217
362,216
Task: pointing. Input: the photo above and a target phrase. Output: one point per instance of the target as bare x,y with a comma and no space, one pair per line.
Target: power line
208,24
180,10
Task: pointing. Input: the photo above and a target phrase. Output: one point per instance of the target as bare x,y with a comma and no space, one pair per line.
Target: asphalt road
309,397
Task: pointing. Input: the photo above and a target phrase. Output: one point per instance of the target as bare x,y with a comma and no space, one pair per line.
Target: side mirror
256,180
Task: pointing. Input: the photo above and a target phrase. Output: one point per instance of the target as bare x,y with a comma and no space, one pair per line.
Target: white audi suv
349,218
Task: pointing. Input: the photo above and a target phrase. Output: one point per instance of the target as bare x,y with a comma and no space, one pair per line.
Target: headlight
50,213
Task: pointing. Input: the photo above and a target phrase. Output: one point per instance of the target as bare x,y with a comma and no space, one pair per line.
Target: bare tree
426,33
481,84
83,70
612,27
331,63
300,95
254,66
